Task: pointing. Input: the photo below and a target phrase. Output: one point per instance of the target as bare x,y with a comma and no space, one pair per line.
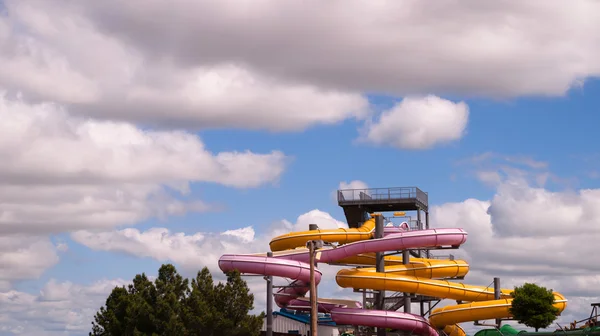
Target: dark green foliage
533,306
172,305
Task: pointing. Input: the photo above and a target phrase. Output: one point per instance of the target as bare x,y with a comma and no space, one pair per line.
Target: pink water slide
294,265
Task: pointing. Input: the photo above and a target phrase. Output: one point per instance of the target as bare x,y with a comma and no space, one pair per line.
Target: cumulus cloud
25,257
350,189
494,168
62,172
354,184
34,136
526,232
550,257
506,48
267,71
60,308
194,251
419,123
106,76
519,210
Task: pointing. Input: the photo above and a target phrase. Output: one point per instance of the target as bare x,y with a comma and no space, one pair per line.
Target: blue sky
259,118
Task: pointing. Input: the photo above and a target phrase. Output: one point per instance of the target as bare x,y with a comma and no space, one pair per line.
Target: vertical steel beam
497,296
379,267
406,261
313,291
269,301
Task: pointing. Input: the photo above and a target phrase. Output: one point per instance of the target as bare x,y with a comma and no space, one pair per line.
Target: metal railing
445,256
349,195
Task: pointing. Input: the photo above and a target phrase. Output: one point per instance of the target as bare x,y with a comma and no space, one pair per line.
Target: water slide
357,247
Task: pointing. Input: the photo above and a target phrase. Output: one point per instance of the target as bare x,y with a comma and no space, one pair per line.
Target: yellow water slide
293,240
421,276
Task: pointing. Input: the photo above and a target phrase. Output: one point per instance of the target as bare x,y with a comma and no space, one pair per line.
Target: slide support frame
313,290
269,331
497,297
379,267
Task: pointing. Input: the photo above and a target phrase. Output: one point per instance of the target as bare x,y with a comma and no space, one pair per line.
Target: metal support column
422,308
314,313
379,267
313,290
427,252
269,301
420,226
497,296
364,302
406,261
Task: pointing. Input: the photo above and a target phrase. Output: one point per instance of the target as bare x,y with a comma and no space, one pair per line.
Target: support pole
313,290
427,252
314,313
379,267
269,301
406,261
497,296
422,307
364,302
420,226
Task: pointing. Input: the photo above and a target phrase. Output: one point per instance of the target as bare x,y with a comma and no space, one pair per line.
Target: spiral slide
357,247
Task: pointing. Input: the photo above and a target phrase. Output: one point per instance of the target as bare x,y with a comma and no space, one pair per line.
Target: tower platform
358,203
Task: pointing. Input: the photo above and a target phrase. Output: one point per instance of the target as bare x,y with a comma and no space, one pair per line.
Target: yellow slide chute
421,276
343,236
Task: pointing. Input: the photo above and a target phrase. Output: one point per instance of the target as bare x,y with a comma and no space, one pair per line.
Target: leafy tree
198,314
172,305
235,301
533,306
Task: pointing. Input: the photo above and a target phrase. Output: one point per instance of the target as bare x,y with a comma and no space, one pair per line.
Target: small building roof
304,318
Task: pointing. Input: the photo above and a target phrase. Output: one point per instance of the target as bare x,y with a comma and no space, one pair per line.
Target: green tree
533,306
235,301
172,305
198,314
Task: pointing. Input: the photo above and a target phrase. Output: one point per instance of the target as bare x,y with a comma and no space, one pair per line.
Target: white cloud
419,123
351,188
244,234
157,243
549,257
505,48
193,252
34,135
62,172
267,71
521,211
62,247
323,219
61,308
25,257
492,178
105,76
354,184
494,168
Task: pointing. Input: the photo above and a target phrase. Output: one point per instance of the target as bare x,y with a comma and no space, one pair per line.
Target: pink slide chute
294,265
